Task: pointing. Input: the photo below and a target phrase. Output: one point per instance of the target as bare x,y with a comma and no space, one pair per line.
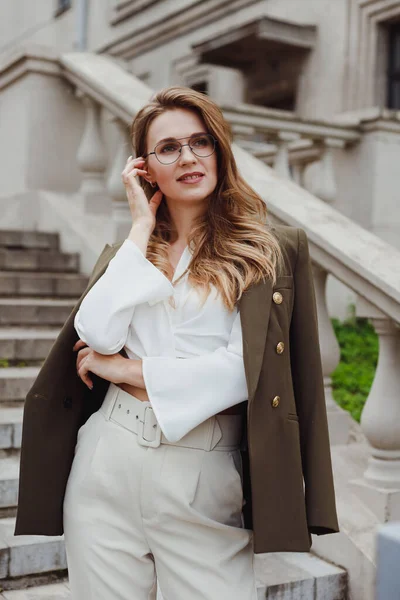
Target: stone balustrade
289,144
338,246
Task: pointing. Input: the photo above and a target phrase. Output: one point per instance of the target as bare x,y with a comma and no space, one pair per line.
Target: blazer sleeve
106,312
184,392
309,395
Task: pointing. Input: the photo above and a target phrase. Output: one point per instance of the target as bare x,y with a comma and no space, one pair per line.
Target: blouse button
275,401
280,347
277,297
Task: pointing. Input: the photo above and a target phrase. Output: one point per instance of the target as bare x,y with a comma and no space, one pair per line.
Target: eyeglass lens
201,145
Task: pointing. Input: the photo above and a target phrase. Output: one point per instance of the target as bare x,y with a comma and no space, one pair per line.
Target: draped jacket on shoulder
287,473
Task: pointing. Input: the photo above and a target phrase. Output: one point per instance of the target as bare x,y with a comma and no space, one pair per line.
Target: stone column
338,419
92,160
380,421
121,215
281,164
323,184
298,173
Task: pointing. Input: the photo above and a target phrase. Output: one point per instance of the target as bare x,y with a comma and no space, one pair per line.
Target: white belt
221,432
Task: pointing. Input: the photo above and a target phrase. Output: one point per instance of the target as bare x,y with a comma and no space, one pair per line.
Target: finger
82,354
130,177
87,381
79,344
132,171
137,171
132,160
155,201
83,374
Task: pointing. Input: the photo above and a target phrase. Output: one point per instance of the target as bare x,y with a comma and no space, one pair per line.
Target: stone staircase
39,285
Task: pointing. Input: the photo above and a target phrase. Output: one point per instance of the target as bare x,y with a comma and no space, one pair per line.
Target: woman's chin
190,195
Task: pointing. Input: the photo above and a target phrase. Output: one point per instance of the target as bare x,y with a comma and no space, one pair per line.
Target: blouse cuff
131,262
185,392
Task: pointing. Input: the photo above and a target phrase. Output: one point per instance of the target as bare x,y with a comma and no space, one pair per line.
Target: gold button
275,401
277,297
280,347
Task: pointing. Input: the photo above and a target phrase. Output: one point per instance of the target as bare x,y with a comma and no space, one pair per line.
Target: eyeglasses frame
182,145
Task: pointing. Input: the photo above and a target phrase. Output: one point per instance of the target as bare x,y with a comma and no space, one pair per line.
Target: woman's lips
191,179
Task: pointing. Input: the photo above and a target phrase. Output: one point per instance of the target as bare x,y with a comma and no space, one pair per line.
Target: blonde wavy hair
233,244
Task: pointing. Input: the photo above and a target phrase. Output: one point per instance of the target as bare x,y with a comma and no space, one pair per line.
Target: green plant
4,363
353,377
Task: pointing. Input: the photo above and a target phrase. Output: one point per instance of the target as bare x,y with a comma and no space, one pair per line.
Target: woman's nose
187,155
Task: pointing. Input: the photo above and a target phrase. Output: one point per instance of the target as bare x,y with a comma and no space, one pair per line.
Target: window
62,6
201,86
394,67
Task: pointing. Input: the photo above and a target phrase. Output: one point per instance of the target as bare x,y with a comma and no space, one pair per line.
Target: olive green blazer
288,484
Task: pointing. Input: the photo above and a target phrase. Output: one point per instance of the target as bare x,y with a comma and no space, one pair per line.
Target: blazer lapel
255,308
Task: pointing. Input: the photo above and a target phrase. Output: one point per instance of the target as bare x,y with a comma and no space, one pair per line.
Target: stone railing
91,74
361,260
290,144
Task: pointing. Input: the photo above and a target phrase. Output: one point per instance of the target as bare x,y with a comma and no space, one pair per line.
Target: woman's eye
200,142
168,148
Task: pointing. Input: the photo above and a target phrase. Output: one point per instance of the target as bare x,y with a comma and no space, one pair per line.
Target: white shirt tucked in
128,307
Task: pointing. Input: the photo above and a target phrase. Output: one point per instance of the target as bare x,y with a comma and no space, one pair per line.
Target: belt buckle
140,437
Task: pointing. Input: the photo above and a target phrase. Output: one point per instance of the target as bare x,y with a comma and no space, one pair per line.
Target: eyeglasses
168,152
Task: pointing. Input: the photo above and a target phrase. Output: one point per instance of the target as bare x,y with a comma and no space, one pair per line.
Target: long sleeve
106,312
185,392
308,384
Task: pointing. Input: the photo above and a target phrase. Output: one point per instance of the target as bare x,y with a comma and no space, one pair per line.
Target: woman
157,487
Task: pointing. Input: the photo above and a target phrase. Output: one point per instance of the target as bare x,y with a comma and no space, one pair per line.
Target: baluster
338,419
298,173
281,163
380,421
92,160
323,184
242,131
121,214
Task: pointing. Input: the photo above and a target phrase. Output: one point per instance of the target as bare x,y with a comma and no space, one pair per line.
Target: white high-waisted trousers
136,514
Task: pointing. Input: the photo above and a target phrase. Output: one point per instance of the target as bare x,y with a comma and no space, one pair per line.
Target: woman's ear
149,178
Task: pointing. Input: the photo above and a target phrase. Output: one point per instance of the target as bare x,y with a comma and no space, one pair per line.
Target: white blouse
129,307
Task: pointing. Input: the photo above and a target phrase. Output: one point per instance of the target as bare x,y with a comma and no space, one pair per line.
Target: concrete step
292,576
27,555
29,239
9,473
16,283
34,311
298,576
34,259
10,427
15,383
26,344
53,591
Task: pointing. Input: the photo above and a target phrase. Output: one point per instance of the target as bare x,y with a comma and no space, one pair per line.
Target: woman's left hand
111,367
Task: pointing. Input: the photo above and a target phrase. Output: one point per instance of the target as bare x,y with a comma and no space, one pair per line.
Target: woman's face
181,124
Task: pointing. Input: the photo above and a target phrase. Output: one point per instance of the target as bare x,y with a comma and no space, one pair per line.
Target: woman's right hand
143,211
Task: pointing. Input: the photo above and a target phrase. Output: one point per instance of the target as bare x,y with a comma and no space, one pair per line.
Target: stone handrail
258,119
92,75
338,246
